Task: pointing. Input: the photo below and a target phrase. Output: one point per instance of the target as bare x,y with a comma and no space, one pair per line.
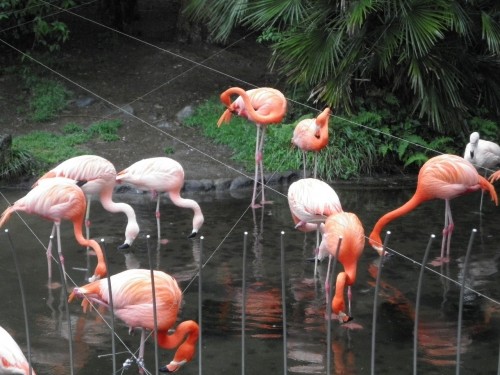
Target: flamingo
12,359
133,304
311,201
347,226
159,175
312,135
444,177
99,176
483,155
56,199
263,106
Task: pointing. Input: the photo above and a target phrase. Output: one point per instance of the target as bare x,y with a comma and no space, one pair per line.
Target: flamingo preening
263,106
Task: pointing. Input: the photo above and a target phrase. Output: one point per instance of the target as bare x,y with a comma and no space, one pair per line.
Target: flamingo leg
261,164
449,230
140,359
157,214
349,298
316,250
256,176
59,250
49,254
315,164
87,219
304,163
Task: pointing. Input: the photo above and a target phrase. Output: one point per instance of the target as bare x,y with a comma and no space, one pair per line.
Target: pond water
227,218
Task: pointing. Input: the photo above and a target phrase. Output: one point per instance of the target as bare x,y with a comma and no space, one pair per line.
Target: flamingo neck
338,304
186,335
100,270
409,206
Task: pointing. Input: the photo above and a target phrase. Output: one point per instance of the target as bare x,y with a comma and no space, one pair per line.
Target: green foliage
19,163
48,148
487,129
168,150
48,98
29,22
438,57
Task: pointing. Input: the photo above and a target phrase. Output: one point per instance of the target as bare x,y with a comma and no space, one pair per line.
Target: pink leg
261,154
157,214
258,156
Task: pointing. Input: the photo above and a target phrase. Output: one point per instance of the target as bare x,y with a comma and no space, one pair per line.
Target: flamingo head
376,242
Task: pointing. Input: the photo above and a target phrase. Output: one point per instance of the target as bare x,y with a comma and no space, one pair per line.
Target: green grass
48,98
351,149
35,152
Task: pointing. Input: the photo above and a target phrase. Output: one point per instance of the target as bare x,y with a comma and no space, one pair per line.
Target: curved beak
193,234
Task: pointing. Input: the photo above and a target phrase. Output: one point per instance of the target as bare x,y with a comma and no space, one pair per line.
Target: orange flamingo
133,304
159,175
347,226
56,199
311,201
12,359
312,135
444,177
263,106
99,176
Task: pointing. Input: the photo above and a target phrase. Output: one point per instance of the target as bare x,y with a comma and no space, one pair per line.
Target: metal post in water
153,291
331,277
111,307
417,304
283,304
461,301
23,300
65,294
243,303
200,315
375,302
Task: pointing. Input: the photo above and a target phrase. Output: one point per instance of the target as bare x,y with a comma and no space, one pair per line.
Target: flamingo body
441,177
58,199
99,177
133,304
312,135
263,106
311,201
160,175
348,227
12,359
482,153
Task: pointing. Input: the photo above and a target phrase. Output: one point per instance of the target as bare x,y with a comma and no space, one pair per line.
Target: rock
184,113
5,148
240,182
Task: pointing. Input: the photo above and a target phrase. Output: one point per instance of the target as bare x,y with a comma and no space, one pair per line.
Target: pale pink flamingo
99,178
348,227
58,199
312,135
441,177
484,155
12,359
311,201
160,175
133,304
263,106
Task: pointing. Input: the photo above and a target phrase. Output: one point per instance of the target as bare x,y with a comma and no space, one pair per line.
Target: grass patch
48,98
351,149
39,150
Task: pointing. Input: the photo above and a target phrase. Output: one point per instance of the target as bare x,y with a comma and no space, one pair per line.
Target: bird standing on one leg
99,176
441,177
348,227
263,106
312,135
133,304
160,175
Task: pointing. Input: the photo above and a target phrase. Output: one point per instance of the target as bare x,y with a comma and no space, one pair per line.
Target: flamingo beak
123,246
193,234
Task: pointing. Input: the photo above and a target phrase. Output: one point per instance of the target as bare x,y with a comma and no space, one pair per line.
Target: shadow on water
226,220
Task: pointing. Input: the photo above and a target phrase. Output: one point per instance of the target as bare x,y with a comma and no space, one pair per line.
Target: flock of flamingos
64,192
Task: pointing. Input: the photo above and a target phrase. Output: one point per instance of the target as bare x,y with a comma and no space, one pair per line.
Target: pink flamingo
58,199
312,135
311,201
133,304
159,175
12,359
348,227
444,177
263,106
99,177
